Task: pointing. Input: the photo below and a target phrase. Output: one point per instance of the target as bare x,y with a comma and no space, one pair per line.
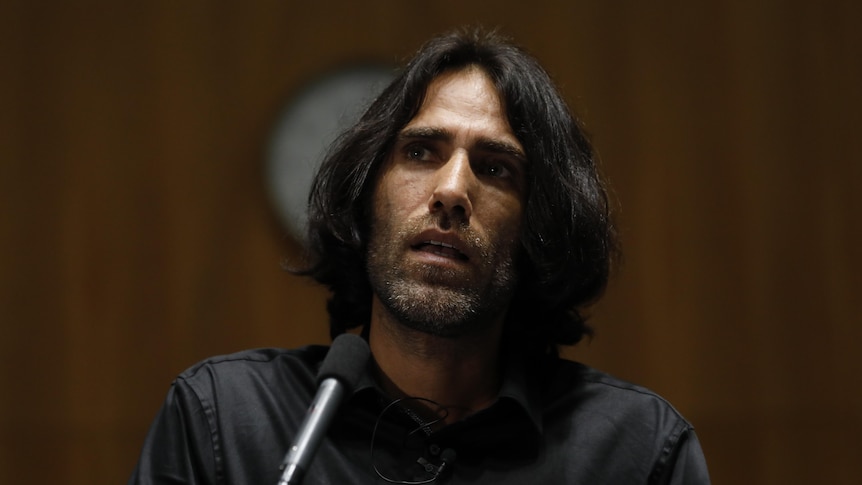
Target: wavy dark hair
568,240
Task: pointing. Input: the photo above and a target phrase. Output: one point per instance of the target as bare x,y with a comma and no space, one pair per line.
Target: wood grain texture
136,236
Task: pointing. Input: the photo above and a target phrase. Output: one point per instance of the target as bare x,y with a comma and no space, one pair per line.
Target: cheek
508,214
510,227
399,197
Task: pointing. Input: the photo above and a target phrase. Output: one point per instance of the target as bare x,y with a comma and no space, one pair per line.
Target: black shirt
231,419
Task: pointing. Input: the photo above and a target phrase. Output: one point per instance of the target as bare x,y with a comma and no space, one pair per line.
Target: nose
453,186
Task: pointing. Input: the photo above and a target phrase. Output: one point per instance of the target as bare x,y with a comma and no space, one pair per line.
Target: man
462,226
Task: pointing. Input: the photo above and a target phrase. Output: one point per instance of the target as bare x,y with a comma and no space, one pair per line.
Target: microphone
448,457
336,379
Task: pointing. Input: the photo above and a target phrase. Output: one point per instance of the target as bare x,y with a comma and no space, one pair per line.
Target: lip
446,241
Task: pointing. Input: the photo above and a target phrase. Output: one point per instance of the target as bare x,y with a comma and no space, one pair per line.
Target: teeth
439,243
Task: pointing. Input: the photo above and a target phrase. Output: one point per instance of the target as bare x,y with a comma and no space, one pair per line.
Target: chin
440,311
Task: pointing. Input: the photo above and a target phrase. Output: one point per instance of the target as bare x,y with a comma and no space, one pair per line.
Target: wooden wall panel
136,236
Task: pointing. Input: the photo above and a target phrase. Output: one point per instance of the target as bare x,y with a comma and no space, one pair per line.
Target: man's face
447,211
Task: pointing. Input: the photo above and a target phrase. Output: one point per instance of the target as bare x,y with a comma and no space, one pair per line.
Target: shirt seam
215,441
668,450
261,355
643,392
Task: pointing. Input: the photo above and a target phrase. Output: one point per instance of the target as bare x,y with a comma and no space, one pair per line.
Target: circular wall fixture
305,130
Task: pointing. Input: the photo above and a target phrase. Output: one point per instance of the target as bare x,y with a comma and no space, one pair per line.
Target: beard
438,300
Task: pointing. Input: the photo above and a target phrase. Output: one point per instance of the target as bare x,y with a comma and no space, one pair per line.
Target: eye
495,169
417,152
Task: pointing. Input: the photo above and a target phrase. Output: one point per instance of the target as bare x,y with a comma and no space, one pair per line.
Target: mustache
470,239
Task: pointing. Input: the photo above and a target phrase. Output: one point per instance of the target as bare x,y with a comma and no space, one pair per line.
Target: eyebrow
484,144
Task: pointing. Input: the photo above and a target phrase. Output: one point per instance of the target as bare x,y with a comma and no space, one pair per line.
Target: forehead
466,95
464,108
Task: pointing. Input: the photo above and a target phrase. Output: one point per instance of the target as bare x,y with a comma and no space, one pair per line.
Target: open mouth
441,249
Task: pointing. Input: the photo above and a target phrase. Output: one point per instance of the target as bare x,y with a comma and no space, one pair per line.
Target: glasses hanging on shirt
430,463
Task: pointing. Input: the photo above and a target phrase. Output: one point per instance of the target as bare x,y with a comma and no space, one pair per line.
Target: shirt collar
514,387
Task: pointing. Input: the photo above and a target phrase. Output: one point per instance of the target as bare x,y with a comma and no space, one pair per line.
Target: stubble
441,301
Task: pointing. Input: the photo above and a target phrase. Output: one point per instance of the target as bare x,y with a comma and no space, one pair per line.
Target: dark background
137,237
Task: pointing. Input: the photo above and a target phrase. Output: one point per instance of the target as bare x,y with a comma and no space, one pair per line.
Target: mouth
440,248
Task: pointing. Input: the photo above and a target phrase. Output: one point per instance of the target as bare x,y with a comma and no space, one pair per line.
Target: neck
460,373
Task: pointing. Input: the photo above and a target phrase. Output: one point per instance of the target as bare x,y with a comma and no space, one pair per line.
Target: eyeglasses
432,471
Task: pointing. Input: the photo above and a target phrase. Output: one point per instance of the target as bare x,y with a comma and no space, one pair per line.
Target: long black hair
568,240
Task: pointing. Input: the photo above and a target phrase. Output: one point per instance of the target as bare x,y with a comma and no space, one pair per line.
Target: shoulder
263,356
572,387
256,367
586,409
565,376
